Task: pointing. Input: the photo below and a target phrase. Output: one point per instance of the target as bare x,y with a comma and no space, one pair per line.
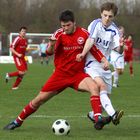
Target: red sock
27,111
96,106
18,80
131,70
12,74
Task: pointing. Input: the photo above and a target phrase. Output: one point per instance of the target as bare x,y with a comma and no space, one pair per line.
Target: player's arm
100,57
15,52
121,47
88,45
51,44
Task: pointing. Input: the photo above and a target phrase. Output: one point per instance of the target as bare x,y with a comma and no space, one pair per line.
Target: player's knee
22,72
39,100
95,90
102,87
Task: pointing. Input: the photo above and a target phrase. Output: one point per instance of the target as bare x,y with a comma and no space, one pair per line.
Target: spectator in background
128,53
42,52
18,49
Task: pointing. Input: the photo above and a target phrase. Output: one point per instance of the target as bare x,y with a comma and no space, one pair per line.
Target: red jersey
66,49
128,52
19,44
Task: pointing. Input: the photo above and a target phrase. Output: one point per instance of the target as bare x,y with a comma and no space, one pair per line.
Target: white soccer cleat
115,85
7,78
14,88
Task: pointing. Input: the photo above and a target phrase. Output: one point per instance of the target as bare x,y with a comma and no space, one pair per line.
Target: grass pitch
70,105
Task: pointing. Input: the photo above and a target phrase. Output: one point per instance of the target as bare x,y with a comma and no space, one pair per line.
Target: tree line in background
42,16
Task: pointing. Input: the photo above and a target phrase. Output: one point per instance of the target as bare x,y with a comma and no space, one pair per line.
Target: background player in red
128,53
18,49
69,41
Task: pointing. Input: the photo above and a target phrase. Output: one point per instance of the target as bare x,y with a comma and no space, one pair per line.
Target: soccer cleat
11,126
14,88
7,78
117,116
90,116
101,122
115,85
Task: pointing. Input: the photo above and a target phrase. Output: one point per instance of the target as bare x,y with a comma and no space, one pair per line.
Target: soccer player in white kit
117,60
104,35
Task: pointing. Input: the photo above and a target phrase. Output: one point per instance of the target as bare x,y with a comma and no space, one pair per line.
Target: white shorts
95,71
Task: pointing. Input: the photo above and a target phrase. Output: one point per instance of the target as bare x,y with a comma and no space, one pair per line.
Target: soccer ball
61,127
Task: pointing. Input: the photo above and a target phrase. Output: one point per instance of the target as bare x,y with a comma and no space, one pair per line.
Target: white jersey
105,39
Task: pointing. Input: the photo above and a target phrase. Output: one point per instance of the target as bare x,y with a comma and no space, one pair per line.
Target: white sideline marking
46,116
83,116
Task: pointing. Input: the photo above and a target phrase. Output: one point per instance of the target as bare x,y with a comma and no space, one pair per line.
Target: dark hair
23,27
109,6
66,16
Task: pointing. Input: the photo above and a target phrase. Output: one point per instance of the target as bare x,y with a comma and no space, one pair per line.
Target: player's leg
21,65
131,68
10,75
52,87
115,74
30,109
47,60
105,88
89,85
18,79
41,59
115,78
105,101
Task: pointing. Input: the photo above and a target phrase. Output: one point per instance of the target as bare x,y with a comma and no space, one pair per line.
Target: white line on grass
60,116
46,116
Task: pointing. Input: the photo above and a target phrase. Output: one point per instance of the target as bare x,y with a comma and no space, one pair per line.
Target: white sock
106,103
116,77
113,73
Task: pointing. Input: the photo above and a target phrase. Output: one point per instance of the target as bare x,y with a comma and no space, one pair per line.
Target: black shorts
43,54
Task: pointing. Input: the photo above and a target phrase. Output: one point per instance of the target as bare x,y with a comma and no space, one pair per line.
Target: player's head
22,31
130,36
108,12
67,21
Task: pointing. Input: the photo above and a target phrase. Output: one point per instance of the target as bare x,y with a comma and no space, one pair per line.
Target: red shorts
59,81
128,58
20,63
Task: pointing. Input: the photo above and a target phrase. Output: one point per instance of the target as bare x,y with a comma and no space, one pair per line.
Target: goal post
34,39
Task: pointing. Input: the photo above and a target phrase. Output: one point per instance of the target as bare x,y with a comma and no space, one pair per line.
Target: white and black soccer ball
61,127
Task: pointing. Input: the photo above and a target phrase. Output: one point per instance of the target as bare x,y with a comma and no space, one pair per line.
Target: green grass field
70,105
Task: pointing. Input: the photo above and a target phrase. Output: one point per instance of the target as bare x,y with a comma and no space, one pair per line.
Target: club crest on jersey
80,40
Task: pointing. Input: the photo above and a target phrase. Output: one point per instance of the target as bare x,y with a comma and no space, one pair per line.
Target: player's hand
79,57
52,38
122,41
19,55
105,64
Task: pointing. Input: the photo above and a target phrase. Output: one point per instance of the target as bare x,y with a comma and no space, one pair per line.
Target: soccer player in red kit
18,49
66,43
128,53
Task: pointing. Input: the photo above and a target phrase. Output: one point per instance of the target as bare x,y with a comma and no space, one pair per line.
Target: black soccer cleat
117,116
102,121
11,126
